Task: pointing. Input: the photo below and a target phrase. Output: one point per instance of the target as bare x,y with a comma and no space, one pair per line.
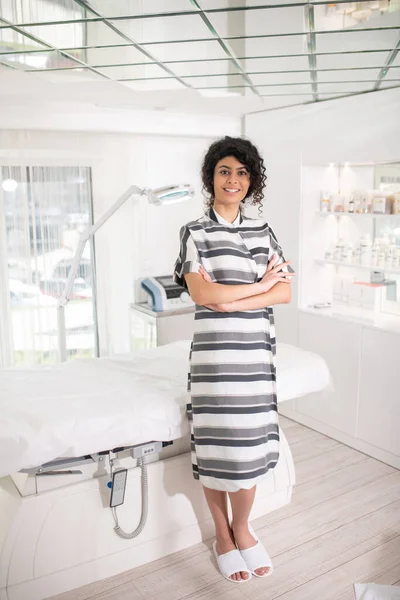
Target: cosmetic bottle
375,252
338,254
325,202
365,249
347,253
357,255
381,257
391,253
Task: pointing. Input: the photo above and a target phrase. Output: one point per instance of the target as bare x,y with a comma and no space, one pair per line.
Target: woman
234,270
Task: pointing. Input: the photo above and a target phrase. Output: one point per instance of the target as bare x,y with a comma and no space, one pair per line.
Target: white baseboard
344,438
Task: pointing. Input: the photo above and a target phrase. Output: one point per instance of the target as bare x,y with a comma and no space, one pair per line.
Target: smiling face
231,181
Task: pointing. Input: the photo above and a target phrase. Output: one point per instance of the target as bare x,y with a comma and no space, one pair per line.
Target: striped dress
232,383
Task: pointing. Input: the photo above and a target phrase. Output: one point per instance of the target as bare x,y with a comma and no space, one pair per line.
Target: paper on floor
372,591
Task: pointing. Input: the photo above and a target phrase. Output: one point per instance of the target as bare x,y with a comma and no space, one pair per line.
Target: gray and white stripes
232,383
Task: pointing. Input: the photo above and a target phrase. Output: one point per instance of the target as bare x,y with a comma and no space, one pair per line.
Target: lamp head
170,194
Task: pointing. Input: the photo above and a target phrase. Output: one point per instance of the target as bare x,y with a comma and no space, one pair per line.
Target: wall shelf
320,213
338,263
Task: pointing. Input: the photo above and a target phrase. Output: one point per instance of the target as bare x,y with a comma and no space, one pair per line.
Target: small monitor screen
166,281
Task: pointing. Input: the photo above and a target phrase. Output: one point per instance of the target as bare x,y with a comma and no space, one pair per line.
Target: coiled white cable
145,505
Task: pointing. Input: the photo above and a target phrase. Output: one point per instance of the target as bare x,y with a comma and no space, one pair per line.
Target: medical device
118,486
165,294
161,196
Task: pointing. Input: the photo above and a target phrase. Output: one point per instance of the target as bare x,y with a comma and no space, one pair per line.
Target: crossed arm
274,288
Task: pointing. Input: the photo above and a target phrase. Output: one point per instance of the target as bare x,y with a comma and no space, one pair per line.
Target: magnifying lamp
159,197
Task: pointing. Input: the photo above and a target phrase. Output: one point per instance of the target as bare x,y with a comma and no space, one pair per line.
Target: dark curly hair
246,153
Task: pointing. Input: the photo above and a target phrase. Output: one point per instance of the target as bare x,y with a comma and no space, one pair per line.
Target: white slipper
230,563
257,557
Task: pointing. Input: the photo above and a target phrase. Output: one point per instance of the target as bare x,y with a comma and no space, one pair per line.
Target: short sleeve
188,260
276,248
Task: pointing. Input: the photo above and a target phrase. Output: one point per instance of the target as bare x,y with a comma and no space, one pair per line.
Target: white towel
372,591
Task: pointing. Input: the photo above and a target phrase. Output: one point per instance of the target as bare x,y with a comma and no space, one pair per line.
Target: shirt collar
214,216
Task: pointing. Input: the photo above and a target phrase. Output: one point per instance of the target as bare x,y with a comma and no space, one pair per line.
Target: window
43,210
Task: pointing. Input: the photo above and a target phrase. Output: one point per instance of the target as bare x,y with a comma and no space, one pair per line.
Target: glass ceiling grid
376,73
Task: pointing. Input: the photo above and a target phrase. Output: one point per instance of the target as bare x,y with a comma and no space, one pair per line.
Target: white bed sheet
89,405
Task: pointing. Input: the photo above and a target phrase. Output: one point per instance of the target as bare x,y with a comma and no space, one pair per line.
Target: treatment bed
59,428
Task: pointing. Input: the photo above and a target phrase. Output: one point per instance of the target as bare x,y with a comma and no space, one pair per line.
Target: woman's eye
223,172
243,173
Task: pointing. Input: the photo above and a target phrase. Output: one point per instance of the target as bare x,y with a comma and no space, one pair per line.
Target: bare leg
241,503
218,505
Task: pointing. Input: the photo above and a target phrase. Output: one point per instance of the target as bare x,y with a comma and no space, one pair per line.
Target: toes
262,571
238,576
244,574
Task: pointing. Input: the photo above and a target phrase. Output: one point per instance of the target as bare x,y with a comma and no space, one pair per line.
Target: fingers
281,266
272,261
204,274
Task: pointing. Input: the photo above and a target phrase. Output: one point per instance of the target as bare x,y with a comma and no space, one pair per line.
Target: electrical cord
145,505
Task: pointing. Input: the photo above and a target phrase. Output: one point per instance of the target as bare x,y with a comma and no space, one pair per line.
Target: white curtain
42,212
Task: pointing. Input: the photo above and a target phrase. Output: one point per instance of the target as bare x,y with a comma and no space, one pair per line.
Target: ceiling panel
349,75
346,60
186,51
134,72
298,88
273,21
273,46
223,67
154,85
227,92
165,29
280,101
295,63
217,81
388,84
275,78
28,11
124,8
74,35
396,62
351,16
38,60
70,76
11,41
116,55
394,73
357,40
331,96
348,87
210,4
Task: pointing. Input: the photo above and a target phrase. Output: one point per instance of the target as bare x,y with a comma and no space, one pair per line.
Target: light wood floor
342,527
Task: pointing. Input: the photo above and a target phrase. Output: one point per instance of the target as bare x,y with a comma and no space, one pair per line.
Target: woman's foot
244,541
226,544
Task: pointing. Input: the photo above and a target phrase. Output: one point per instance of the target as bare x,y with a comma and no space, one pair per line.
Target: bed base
62,538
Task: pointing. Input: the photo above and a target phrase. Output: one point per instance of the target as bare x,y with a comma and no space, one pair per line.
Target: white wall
140,239
356,129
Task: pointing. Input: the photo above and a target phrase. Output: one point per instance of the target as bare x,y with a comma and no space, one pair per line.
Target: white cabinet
150,329
338,343
363,408
379,410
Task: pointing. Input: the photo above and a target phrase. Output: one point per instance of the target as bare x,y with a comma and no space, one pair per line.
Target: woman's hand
215,307
205,275
275,274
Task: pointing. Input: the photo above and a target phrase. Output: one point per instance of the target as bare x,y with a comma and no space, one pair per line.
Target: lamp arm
63,299
86,235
